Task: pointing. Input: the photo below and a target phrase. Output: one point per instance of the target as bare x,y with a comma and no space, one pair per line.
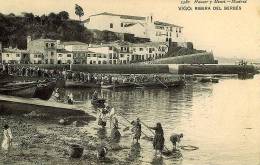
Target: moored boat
78,84
119,85
44,90
20,91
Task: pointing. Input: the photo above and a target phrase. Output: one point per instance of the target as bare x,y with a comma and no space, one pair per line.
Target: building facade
14,56
64,57
46,47
79,50
142,27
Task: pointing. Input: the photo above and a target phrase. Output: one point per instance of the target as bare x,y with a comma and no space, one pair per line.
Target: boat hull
78,84
44,91
24,91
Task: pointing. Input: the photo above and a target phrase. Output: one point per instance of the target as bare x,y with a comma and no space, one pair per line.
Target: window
52,53
99,56
141,49
52,45
167,39
88,55
111,25
94,62
99,62
104,62
7,55
110,55
122,25
68,55
60,55
46,45
180,30
51,61
121,55
104,56
122,48
110,48
17,55
94,55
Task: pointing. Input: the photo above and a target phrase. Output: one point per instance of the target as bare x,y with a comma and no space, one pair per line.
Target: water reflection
221,119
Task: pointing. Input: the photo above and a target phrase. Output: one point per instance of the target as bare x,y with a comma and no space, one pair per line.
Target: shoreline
33,141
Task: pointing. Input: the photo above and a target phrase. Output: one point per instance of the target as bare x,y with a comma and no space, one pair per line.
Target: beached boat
20,91
117,86
170,84
44,90
205,79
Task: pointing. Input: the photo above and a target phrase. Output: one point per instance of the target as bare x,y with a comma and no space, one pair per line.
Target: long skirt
158,142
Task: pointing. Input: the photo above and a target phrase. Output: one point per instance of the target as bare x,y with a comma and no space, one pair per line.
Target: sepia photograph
130,82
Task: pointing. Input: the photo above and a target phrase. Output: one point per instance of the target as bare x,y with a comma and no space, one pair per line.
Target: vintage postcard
133,82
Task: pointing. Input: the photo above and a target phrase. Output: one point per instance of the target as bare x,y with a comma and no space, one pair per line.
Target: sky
231,34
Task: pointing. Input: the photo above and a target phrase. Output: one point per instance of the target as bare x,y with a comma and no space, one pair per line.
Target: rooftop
45,40
165,24
14,50
73,43
134,18
149,44
121,16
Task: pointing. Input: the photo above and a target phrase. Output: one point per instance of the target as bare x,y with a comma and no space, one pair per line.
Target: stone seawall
200,58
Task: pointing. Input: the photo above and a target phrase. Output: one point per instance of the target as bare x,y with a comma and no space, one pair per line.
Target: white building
13,55
149,51
79,50
109,50
64,57
142,27
36,58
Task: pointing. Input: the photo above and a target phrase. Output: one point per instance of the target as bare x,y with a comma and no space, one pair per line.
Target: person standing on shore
158,141
7,140
70,99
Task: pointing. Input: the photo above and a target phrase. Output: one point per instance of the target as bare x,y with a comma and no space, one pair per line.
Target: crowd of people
96,78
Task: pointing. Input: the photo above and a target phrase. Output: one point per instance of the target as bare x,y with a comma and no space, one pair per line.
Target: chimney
29,39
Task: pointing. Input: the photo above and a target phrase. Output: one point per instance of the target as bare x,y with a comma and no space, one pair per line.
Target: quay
17,105
151,68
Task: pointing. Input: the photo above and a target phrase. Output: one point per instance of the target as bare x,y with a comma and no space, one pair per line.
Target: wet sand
38,141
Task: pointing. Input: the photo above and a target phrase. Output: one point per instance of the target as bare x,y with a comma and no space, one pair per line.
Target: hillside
14,29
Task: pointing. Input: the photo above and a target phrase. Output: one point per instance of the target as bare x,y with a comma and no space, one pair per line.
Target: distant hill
15,29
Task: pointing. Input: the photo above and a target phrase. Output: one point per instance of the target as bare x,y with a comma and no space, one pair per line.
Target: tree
63,15
79,11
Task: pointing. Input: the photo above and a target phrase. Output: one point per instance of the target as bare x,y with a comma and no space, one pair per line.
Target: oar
131,124
153,133
161,82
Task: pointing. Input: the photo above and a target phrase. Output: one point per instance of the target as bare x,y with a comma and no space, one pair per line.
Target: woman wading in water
158,141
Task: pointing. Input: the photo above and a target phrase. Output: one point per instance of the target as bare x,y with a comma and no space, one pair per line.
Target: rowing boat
20,91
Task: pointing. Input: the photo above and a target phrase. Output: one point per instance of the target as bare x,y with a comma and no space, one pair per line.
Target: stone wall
199,58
